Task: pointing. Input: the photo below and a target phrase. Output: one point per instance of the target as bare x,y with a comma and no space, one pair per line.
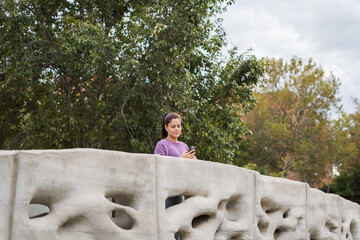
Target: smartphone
192,147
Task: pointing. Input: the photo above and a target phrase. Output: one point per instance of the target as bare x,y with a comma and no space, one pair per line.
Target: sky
328,31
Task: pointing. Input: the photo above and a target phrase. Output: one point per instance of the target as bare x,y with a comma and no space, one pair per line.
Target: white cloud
325,30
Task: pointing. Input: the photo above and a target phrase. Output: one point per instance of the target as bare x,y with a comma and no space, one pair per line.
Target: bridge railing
88,194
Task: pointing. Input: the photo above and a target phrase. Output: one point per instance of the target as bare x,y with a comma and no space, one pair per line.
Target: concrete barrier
88,194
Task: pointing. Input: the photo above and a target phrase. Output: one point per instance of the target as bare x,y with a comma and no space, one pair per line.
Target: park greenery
101,74
294,131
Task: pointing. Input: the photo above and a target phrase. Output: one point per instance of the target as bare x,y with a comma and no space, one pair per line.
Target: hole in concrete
269,206
186,197
354,228
119,216
266,203
121,199
122,219
38,210
177,236
269,211
263,226
172,201
314,234
331,226
286,214
198,221
236,237
231,204
277,233
233,208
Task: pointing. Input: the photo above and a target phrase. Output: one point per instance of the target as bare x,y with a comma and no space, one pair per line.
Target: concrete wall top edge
7,152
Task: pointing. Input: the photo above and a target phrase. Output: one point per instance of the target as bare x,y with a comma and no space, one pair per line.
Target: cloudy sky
326,30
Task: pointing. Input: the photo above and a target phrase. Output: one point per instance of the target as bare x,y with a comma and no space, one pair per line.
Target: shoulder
161,142
183,144
161,147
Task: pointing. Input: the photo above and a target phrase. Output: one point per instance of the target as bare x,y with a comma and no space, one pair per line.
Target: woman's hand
189,154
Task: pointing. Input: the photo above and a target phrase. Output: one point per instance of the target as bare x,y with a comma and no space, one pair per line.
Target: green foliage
101,74
347,184
262,170
291,125
254,167
353,128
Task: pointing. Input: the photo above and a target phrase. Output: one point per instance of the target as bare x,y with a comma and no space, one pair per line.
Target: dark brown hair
166,120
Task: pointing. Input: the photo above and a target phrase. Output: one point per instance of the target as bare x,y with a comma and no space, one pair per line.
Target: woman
169,145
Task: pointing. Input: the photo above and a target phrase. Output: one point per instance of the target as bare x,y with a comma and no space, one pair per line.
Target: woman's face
174,128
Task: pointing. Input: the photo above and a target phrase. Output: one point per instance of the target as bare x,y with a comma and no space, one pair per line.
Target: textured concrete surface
88,194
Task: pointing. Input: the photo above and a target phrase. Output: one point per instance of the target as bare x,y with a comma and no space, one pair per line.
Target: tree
354,129
102,74
291,125
347,183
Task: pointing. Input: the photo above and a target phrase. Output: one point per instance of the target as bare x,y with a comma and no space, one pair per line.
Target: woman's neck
172,139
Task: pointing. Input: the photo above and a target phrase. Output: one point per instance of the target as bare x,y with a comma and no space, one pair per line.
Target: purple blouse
166,147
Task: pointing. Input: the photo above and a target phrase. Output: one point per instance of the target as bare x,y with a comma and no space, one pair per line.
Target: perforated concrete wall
87,194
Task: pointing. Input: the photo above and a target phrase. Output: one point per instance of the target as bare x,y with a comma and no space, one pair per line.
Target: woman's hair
167,119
